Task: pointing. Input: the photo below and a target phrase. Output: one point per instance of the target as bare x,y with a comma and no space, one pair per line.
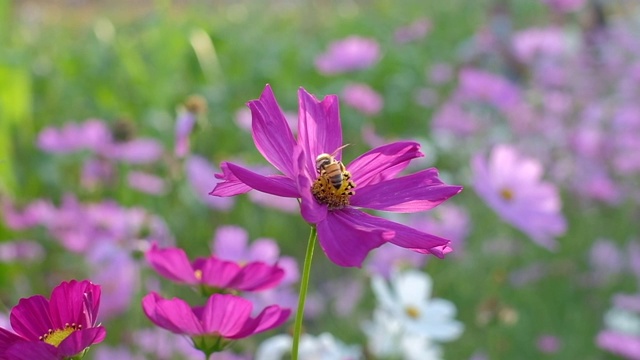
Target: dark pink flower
223,318
212,273
348,54
57,328
346,233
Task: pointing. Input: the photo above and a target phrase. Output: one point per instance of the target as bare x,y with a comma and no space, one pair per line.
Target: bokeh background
550,81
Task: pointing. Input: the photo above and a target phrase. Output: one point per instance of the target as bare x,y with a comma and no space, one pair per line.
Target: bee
326,164
333,186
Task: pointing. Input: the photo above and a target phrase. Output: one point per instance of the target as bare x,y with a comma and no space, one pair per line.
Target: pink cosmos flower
511,185
363,98
346,233
212,273
184,126
351,53
223,318
146,182
57,328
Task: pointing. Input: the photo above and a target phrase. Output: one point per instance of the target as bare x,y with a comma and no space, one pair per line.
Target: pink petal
7,338
226,314
398,234
273,184
269,318
172,263
310,209
383,162
231,185
80,340
31,318
271,132
417,192
31,351
219,273
345,241
258,276
174,315
319,129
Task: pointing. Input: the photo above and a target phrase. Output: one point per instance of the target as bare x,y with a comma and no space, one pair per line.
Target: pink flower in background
415,31
512,186
452,118
449,221
95,135
184,126
136,151
213,274
223,318
565,6
201,177
388,258
23,251
363,98
57,328
480,85
146,182
621,334
539,43
548,344
71,137
346,234
349,54
243,119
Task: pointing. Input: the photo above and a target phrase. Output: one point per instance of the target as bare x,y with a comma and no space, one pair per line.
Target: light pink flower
512,186
363,98
351,53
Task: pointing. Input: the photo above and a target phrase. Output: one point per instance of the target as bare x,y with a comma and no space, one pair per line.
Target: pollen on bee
326,193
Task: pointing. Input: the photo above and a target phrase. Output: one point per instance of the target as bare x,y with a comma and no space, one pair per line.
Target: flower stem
304,286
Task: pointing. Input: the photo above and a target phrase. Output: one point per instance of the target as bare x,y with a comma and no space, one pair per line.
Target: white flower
408,300
387,338
322,347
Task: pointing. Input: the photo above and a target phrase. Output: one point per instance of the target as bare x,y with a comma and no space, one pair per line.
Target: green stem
304,286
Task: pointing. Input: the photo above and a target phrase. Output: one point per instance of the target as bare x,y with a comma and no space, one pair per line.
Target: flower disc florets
334,186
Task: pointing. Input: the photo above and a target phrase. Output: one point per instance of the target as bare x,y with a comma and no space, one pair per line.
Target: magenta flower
346,233
61,327
512,186
213,274
348,54
223,318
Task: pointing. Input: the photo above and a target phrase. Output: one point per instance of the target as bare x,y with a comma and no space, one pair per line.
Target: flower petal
398,234
225,314
258,276
272,184
230,184
269,318
31,318
310,209
383,162
171,263
271,132
345,240
30,351
174,315
7,338
218,273
80,340
412,193
319,129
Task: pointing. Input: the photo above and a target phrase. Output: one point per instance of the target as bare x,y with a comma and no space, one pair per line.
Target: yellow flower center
506,194
334,188
55,337
198,274
412,311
